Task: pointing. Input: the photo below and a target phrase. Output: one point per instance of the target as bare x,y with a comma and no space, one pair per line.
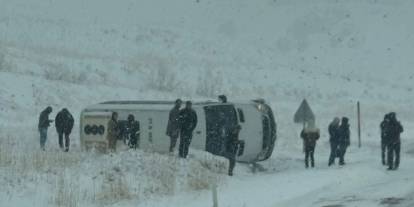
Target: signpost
359,124
304,114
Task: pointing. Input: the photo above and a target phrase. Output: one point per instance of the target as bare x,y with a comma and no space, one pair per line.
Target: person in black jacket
384,140
344,139
232,143
133,130
64,124
173,127
334,140
394,145
44,123
222,98
188,122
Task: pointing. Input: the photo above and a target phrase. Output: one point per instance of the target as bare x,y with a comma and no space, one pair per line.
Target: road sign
304,114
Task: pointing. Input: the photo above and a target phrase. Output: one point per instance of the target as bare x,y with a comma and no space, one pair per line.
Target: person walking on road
344,139
188,122
384,141
44,123
64,124
394,145
173,127
334,140
310,136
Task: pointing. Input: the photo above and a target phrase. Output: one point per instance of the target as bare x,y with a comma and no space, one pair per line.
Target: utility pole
359,124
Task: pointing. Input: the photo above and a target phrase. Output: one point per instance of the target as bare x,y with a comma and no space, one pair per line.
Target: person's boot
306,164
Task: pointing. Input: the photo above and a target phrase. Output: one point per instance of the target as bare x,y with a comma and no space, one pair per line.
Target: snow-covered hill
334,53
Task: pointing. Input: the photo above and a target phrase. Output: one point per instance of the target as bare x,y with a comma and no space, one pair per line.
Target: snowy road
362,182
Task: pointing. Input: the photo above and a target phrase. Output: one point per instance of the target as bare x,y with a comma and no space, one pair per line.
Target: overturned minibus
256,118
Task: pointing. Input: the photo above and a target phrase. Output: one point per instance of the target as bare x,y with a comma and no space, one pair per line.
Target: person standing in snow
310,135
173,127
384,140
394,145
64,124
188,122
222,98
334,140
232,143
44,123
113,132
133,130
344,139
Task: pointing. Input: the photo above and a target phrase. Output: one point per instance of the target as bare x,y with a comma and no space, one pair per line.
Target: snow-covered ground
334,53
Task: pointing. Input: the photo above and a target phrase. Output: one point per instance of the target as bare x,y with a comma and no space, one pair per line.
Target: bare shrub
114,187
210,83
67,194
60,72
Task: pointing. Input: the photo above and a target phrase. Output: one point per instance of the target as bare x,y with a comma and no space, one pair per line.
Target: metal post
215,200
359,125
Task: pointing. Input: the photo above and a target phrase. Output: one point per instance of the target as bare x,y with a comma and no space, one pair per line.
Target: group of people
181,125
339,139
131,131
64,124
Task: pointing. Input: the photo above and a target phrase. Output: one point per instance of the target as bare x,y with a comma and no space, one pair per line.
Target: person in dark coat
334,140
173,127
64,124
394,145
344,139
113,132
232,143
310,135
133,130
188,122
44,123
222,98
384,140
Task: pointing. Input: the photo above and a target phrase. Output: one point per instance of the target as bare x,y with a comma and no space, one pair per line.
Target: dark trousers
342,152
394,149
67,141
383,152
173,142
232,164
134,142
185,141
309,151
334,153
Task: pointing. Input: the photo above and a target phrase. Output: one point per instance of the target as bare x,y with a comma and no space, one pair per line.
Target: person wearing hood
394,141
310,135
334,140
64,124
44,123
344,139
